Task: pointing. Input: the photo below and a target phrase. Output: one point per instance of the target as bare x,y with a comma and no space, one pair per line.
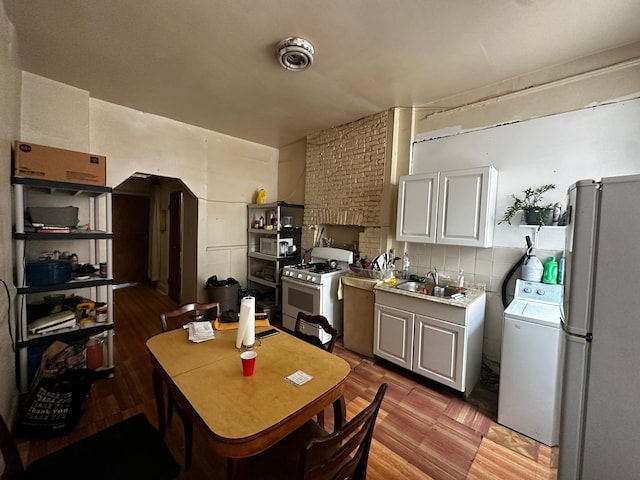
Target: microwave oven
269,246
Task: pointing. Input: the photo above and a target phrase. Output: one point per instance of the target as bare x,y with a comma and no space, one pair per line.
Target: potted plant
533,211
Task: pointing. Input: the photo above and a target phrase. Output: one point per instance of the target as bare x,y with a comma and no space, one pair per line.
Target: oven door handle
312,286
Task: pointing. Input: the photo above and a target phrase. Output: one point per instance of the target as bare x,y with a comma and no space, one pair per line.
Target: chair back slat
189,313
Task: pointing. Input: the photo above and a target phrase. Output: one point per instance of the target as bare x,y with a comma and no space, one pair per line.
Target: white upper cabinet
466,207
417,202
451,208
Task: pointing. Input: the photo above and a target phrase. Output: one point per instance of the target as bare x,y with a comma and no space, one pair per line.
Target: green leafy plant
530,204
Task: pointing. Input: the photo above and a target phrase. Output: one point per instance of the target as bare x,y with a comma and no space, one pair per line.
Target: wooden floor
424,431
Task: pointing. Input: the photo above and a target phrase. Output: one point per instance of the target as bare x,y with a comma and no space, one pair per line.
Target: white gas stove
319,270
312,288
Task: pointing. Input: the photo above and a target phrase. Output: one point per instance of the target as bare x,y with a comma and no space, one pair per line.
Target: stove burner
324,268
316,267
303,266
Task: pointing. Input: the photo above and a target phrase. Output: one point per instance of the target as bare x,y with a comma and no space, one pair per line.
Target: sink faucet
434,275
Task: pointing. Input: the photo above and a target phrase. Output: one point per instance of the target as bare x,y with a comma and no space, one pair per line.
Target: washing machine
531,362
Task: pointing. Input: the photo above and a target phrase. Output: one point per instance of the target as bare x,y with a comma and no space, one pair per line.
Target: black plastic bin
226,296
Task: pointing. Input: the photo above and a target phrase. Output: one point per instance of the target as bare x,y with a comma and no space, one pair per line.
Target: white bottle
405,266
532,269
460,283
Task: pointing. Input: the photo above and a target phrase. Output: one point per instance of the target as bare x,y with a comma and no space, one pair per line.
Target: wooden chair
312,453
324,324
188,313
319,321
131,449
171,321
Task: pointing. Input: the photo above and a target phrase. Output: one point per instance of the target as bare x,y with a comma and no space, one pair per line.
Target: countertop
359,282
472,293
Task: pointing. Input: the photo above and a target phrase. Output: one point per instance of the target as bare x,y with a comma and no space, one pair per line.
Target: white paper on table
200,331
298,378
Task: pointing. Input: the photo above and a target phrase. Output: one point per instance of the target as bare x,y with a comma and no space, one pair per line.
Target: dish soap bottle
550,274
460,284
405,266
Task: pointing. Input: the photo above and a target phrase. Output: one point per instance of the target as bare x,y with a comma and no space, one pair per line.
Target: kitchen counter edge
471,295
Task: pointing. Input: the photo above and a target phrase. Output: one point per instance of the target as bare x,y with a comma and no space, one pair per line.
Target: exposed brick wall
345,168
345,173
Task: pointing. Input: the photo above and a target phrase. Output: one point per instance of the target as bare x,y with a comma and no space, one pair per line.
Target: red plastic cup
248,362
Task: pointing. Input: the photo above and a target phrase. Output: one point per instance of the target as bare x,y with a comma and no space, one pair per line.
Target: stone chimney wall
345,168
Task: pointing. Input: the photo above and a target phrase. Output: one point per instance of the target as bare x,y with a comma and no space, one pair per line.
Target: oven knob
527,290
540,291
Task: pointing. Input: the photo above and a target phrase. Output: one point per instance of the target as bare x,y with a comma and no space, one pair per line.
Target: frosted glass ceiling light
295,54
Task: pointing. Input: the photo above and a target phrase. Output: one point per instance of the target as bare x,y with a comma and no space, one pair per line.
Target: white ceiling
212,63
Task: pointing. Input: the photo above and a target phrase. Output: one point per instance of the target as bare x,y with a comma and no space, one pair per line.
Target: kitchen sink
428,289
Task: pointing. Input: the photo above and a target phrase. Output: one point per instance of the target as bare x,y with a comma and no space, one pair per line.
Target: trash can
225,292
359,300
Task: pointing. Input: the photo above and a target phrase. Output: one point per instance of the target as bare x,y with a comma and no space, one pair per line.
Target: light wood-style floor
424,431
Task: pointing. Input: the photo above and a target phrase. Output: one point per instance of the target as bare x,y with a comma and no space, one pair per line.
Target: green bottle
550,274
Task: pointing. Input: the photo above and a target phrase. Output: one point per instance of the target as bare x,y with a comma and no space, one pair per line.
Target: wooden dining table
244,415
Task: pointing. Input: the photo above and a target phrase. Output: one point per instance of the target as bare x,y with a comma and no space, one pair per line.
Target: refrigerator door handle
588,336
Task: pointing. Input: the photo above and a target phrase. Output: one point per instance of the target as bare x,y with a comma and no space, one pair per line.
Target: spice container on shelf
73,260
101,312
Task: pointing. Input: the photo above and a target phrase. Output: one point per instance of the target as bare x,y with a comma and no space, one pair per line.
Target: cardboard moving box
56,164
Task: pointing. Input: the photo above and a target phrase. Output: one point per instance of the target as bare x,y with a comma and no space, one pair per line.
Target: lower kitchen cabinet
393,335
439,341
439,350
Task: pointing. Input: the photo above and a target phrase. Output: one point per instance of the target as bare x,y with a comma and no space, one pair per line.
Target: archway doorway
142,225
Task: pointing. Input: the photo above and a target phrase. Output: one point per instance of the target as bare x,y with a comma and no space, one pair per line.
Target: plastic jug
532,269
94,356
550,274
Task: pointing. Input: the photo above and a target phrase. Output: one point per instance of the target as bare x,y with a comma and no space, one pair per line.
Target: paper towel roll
246,324
250,332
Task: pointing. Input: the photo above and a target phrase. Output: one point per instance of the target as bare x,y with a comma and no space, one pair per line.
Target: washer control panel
539,292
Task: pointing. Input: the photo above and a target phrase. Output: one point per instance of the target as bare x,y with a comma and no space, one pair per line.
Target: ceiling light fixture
295,54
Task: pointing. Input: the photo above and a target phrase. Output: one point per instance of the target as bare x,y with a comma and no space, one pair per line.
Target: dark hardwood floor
424,431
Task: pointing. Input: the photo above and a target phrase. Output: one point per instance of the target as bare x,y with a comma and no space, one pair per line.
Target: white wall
221,171
556,132
10,85
291,173
559,149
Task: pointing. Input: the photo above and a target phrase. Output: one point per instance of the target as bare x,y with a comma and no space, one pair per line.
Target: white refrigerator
600,414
